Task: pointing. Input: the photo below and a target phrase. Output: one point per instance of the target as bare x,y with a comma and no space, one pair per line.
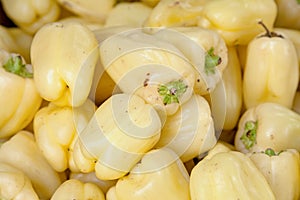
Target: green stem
211,61
270,152
172,91
249,136
16,66
269,33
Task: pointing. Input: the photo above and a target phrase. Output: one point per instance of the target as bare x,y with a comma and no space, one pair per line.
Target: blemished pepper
282,171
162,75
268,125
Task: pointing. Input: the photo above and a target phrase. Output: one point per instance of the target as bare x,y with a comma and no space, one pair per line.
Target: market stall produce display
149,99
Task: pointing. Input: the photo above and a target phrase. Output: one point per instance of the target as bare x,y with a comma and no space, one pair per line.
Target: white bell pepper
159,175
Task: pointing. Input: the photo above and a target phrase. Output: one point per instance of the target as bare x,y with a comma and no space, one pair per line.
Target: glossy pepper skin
163,76
14,184
30,15
65,68
168,13
236,20
268,125
294,36
56,130
190,131
20,98
208,67
124,126
282,171
271,71
160,175
288,14
75,189
228,175
22,152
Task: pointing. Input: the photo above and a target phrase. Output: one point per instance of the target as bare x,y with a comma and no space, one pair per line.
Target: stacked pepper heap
150,99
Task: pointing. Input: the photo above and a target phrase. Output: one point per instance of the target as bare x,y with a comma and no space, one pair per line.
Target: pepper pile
150,99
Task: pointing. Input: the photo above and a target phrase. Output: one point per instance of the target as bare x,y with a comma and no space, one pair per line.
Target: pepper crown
249,136
269,33
172,91
211,61
270,152
16,66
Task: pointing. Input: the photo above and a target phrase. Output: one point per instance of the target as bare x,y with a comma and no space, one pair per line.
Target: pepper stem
268,32
172,91
211,61
249,136
16,66
270,152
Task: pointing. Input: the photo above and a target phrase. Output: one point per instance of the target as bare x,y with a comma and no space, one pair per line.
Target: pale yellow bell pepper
128,14
64,63
282,171
175,13
56,129
268,125
232,80
209,66
162,74
228,175
22,152
271,71
31,15
190,131
75,189
294,36
236,20
94,10
288,14
20,99
124,126
15,185
159,175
